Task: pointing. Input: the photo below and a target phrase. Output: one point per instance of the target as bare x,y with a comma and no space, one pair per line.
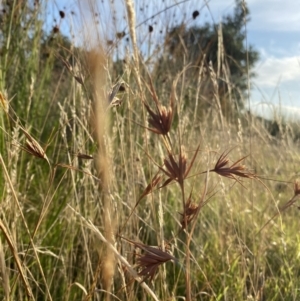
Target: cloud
274,15
275,70
269,111
277,81
266,15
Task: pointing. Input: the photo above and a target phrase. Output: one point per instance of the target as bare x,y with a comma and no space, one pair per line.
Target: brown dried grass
96,65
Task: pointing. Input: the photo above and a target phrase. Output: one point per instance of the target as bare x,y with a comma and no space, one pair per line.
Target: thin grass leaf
154,182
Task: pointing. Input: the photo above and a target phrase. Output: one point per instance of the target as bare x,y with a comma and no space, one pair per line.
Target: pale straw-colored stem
100,236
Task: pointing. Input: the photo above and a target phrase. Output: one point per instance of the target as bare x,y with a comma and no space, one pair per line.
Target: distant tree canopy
210,47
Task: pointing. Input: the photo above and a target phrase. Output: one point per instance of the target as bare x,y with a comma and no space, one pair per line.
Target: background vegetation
122,165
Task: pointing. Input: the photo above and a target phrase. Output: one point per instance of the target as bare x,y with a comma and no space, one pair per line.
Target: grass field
115,187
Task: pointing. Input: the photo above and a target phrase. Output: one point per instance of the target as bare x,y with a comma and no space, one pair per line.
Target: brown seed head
161,119
175,170
84,156
188,215
33,147
178,170
233,171
55,29
296,188
152,258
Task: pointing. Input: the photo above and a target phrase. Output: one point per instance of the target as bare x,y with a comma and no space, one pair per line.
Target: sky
274,31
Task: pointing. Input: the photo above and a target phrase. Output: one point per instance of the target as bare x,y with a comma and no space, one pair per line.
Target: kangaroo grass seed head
233,171
161,119
178,170
188,215
296,188
152,258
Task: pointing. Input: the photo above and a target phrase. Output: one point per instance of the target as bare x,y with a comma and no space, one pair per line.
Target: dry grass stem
79,170
155,181
4,272
290,203
78,76
123,260
16,257
97,61
132,25
294,199
4,102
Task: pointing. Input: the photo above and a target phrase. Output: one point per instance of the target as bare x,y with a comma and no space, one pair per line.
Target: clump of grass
135,206
178,170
